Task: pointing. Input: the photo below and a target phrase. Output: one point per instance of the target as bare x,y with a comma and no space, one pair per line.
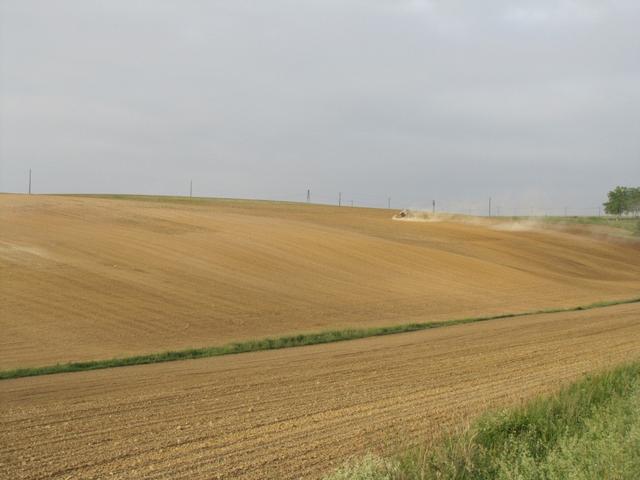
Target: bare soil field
86,278
295,413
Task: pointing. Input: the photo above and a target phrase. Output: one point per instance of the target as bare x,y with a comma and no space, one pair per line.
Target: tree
616,203
623,200
634,201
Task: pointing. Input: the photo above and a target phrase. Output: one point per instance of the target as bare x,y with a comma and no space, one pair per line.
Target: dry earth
92,278
294,413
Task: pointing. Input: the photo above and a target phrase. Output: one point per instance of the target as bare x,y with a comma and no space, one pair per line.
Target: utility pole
489,206
308,196
339,199
498,211
389,203
352,203
433,209
191,189
29,181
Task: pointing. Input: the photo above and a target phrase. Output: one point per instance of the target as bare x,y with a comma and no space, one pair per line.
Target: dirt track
293,413
88,278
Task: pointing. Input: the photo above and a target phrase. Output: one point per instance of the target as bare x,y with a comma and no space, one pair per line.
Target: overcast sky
536,104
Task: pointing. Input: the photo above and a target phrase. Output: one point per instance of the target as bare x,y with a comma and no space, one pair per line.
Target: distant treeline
623,201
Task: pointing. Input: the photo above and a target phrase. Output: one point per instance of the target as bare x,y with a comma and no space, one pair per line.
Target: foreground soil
92,278
296,413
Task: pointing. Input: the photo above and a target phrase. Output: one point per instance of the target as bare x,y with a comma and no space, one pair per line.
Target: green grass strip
627,224
279,342
590,429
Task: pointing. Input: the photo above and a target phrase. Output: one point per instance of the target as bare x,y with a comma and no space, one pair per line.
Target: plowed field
294,413
90,278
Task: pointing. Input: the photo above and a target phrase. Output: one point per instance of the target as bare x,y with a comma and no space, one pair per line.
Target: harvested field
91,278
294,413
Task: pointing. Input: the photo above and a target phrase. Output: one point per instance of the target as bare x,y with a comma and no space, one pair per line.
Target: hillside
85,277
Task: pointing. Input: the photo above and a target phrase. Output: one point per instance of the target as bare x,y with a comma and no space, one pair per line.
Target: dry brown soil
295,413
92,278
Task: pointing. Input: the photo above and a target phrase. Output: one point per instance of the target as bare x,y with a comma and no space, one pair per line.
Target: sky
535,104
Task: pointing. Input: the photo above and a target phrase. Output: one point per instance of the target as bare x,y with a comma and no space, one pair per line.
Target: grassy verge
175,199
228,202
588,430
630,224
277,343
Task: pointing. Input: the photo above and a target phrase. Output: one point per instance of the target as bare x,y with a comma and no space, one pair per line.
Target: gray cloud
533,103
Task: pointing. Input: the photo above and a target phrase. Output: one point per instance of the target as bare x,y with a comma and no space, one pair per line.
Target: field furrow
297,412
85,278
